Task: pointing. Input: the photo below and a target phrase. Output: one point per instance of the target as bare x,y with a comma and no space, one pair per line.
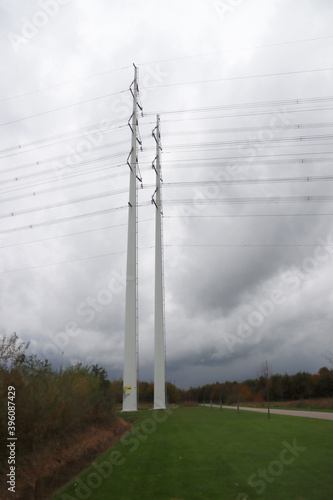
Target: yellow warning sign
128,388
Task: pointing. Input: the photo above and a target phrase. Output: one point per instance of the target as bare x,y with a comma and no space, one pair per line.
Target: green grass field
206,453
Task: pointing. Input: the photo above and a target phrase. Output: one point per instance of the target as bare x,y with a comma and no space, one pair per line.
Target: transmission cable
63,137
66,177
61,108
249,245
225,51
63,83
236,216
246,201
285,73
242,157
244,105
257,113
73,201
70,261
254,146
57,168
273,140
297,126
246,181
62,220
61,188
69,234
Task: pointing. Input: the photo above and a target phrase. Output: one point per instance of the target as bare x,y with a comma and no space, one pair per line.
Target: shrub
49,403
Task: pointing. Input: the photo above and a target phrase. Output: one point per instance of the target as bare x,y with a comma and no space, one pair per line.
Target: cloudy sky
244,92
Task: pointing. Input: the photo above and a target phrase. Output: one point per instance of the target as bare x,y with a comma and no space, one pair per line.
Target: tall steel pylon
130,398
159,325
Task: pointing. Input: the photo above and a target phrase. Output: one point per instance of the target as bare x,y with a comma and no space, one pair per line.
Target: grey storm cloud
244,281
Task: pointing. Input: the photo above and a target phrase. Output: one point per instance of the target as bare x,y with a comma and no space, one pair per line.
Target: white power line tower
159,354
130,398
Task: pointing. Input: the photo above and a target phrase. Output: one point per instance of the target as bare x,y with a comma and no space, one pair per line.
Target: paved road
292,413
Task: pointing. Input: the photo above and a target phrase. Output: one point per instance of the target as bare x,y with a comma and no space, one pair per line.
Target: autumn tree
101,374
173,393
265,373
12,352
329,356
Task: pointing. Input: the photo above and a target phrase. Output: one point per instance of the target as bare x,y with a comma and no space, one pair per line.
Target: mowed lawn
205,453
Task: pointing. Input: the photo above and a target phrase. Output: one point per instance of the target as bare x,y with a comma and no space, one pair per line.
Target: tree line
301,385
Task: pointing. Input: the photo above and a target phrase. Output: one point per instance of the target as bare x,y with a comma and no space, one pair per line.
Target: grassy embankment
206,453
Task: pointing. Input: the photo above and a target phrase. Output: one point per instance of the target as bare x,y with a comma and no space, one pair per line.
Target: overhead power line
273,140
243,200
56,169
62,220
64,136
71,261
256,113
269,45
244,161
61,108
236,216
61,84
249,105
60,188
300,158
64,177
73,201
285,73
93,230
260,128
316,178
247,245
102,73
247,147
